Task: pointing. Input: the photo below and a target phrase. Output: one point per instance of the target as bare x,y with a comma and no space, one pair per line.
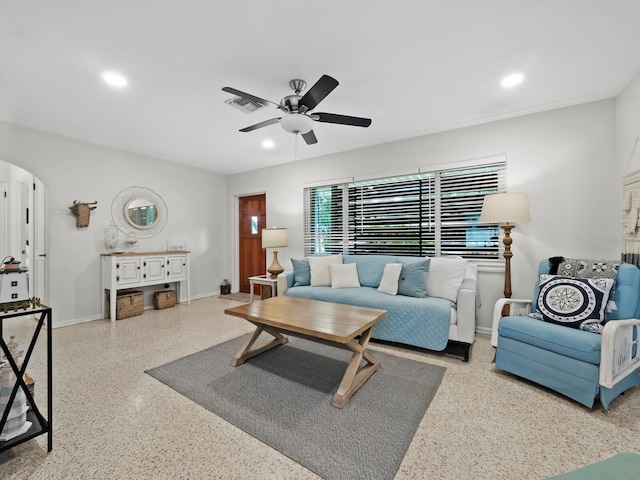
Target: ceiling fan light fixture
297,123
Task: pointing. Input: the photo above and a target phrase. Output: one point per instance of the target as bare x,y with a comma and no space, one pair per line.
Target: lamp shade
505,208
297,123
274,237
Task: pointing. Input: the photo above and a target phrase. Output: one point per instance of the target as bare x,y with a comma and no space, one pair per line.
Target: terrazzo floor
113,421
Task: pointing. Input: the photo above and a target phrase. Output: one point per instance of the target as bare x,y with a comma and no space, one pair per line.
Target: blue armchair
579,364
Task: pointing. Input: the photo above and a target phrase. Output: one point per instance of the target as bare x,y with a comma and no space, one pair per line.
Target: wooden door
252,219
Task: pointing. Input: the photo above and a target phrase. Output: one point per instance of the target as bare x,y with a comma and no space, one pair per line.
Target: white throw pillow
445,277
344,275
320,272
390,276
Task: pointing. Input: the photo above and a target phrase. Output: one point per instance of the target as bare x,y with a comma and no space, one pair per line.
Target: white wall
628,129
562,158
76,170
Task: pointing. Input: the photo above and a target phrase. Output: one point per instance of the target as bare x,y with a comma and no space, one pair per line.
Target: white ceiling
413,66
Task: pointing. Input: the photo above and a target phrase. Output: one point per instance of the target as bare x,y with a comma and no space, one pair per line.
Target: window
426,214
323,220
393,216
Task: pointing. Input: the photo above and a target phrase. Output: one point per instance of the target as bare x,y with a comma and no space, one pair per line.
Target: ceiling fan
298,108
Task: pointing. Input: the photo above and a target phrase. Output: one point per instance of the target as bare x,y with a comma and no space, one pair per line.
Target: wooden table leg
355,376
246,352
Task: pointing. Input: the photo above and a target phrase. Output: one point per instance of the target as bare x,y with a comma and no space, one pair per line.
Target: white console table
140,269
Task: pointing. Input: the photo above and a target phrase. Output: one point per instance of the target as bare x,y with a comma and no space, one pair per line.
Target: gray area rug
283,398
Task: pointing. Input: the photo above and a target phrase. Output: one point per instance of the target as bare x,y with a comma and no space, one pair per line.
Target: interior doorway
23,225
252,218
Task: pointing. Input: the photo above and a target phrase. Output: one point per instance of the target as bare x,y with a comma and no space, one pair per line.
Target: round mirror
141,213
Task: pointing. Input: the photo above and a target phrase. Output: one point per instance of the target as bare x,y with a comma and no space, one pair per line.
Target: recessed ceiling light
512,80
114,79
268,143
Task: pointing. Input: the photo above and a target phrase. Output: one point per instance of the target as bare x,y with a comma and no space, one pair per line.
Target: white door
3,220
40,261
24,202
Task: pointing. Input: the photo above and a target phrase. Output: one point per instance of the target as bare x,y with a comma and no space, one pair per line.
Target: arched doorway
22,225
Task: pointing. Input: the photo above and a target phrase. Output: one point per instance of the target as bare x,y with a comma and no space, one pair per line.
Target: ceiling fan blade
248,96
342,119
310,137
261,124
318,92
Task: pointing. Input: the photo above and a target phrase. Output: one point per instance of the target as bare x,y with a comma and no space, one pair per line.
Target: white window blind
324,219
461,195
426,214
393,216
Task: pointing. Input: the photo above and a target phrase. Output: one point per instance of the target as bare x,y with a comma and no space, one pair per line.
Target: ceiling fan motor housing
290,103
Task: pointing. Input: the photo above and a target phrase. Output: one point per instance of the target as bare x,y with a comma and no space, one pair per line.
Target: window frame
453,226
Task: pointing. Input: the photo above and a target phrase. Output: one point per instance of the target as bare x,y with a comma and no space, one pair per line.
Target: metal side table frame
40,424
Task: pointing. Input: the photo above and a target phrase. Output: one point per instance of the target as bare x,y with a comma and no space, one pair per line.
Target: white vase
130,242
111,237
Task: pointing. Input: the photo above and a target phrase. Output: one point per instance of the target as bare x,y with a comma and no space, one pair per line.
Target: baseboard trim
93,318
75,321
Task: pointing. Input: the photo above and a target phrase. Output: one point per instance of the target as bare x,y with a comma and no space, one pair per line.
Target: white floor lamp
506,209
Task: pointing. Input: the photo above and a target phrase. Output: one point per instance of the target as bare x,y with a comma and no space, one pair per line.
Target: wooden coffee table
326,322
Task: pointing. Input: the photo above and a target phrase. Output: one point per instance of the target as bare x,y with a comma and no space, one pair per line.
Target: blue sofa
579,364
432,323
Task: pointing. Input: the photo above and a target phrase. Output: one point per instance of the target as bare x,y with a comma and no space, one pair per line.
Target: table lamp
274,238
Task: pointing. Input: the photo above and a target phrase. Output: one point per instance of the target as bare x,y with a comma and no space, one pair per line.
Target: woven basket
165,299
129,304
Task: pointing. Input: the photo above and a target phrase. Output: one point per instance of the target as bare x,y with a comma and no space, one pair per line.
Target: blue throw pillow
413,279
573,302
301,272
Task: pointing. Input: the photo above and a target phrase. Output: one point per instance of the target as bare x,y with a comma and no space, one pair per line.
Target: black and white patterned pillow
588,268
573,302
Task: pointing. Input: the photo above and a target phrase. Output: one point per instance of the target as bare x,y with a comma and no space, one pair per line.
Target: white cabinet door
176,267
128,271
154,270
